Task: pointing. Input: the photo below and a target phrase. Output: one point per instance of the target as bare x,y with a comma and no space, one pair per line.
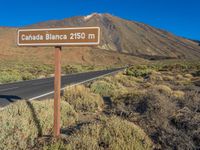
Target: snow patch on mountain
91,15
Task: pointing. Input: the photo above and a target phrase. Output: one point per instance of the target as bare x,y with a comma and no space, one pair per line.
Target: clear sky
182,17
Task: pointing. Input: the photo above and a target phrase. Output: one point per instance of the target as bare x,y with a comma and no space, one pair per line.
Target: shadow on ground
35,118
10,98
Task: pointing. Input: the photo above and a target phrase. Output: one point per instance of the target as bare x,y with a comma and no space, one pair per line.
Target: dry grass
168,113
22,122
188,76
103,88
164,89
108,87
125,80
178,94
179,77
107,133
82,99
168,78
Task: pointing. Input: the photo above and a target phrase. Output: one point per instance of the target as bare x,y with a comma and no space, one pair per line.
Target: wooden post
57,85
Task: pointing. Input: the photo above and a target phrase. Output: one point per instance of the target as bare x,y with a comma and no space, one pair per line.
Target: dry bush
188,76
187,121
107,133
164,89
153,78
138,71
127,81
103,88
163,117
178,94
183,82
191,99
24,121
154,72
179,77
168,78
106,87
82,99
147,85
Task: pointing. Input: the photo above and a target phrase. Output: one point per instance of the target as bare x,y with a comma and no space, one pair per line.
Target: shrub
22,122
108,133
69,69
178,94
168,78
174,66
103,88
127,81
164,89
155,78
179,77
188,76
28,76
9,76
196,73
138,71
167,122
23,72
82,99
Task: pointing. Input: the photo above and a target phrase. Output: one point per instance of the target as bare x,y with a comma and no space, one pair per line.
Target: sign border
59,44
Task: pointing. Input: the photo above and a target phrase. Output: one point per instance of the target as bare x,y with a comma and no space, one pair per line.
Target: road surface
43,88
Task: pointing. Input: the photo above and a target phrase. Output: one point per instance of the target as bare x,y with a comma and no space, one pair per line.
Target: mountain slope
197,41
10,53
132,37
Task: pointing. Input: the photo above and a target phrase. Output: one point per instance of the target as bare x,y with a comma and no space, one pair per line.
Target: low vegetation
138,71
19,72
106,133
23,122
145,107
164,102
82,99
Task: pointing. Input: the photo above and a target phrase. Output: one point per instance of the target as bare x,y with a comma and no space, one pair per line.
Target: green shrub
69,69
28,76
82,99
138,71
24,72
103,88
9,76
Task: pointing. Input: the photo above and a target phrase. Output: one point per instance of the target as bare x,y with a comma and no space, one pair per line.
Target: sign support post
57,85
78,36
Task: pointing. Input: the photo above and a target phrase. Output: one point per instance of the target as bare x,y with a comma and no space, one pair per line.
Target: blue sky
182,17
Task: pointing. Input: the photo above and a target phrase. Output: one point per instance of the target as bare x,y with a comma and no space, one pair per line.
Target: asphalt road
43,88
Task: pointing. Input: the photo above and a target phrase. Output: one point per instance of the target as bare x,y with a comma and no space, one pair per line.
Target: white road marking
8,89
33,98
2,108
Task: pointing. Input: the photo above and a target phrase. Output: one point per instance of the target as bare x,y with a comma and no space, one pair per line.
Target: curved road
43,88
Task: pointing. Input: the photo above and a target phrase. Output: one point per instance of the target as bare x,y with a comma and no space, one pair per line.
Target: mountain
122,42
131,37
197,41
11,54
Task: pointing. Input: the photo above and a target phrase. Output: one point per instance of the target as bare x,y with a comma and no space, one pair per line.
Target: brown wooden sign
59,36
